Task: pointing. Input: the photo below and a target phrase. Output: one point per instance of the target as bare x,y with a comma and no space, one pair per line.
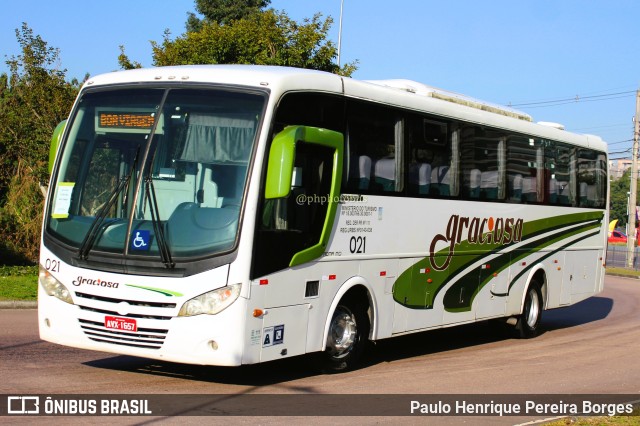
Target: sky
574,62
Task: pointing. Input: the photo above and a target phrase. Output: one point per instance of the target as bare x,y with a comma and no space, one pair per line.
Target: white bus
229,215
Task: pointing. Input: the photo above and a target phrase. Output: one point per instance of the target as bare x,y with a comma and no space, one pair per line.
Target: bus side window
525,174
558,170
482,159
385,174
430,155
591,179
375,138
360,172
440,178
419,178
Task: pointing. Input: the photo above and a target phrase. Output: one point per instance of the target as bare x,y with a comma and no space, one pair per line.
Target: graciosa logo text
475,230
81,280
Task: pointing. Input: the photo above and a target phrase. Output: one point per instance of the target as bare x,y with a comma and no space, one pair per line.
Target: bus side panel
300,300
284,332
585,276
452,317
515,299
568,262
381,274
407,319
602,271
490,303
556,284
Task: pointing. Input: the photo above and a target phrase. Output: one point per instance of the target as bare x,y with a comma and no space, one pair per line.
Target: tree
223,11
242,32
618,199
34,98
124,61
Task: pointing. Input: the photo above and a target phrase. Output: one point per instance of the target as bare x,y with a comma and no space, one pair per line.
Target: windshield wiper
94,229
163,246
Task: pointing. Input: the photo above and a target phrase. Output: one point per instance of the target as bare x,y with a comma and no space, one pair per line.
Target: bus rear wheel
347,337
528,324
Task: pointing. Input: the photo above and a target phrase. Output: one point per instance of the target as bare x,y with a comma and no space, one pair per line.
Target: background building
618,167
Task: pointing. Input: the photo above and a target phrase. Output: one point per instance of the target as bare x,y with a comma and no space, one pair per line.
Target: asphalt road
588,348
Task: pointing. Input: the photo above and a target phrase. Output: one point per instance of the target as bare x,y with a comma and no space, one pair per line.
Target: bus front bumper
201,339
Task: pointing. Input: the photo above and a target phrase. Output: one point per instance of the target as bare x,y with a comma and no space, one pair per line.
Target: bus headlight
53,287
212,302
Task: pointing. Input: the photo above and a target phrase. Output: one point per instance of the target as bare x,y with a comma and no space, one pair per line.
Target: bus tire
347,337
528,324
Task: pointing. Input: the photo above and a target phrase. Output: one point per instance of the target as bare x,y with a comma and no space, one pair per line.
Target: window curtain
540,174
502,167
218,138
573,178
399,164
454,183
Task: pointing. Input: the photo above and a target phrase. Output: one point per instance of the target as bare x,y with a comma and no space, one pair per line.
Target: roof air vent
550,124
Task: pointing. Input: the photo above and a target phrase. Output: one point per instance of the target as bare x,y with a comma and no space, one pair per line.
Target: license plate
124,324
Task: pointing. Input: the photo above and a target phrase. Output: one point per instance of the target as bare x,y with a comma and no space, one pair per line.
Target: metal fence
617,256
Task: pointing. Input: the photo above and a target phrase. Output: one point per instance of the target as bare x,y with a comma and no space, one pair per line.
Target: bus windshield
155,172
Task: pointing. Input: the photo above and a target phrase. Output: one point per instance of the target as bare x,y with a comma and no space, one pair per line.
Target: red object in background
617,237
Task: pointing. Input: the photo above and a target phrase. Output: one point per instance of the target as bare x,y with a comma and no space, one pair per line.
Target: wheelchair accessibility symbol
140,240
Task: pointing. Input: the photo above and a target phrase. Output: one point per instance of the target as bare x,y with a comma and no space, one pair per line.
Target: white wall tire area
347,336
528,324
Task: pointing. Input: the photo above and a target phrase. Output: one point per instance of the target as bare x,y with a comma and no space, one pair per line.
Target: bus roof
426,90
246,75
400,93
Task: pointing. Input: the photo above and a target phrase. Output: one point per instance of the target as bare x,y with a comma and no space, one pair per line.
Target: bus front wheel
347,337
528,324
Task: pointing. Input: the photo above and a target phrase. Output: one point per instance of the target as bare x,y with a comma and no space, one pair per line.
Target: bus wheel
347,337
529,321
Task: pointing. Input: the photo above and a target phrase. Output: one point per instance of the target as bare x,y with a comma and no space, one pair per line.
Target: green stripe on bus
475,280
419,284
157,290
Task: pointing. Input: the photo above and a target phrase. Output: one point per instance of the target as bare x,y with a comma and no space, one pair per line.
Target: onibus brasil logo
475,230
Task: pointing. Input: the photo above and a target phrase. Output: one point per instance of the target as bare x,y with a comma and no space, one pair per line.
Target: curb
18,304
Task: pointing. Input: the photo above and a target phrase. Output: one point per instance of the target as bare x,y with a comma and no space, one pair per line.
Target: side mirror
283,152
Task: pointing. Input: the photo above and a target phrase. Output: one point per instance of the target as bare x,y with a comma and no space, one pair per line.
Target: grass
18,282
623,271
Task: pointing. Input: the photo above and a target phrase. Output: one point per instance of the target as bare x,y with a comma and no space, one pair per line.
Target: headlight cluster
53,287
212,302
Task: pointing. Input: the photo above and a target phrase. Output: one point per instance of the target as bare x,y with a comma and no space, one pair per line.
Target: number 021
52,265
357,244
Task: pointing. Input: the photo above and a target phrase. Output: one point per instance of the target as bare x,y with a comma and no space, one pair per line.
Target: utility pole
631,238
340,32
